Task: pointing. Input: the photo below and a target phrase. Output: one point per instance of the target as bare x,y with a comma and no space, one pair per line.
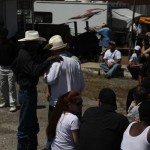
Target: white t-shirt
133,112
112,56
134,59
137,29
63,139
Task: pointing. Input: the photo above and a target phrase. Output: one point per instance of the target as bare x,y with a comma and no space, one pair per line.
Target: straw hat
56,42
32,36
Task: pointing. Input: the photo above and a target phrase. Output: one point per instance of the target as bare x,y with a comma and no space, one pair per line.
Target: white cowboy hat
137,47
56,42
32,36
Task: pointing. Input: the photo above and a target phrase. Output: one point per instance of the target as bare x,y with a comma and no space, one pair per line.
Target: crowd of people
100,127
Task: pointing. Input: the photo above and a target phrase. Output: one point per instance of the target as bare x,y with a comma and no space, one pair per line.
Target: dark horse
86,47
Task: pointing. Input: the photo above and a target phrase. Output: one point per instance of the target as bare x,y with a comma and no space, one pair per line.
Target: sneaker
2,105
13,108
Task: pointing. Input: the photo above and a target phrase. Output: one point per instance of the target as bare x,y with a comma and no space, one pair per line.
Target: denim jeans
50,111
28,122
48,145
7,86
110,71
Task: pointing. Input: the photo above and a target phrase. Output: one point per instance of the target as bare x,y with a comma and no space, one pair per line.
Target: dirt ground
93,83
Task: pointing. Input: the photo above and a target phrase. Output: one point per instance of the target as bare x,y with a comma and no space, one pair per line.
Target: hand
143,43
148,33
109,65
55,58
47,94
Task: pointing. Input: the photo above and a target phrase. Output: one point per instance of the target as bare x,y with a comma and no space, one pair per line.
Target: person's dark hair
113,43
140,94
144,111
107,96
61,106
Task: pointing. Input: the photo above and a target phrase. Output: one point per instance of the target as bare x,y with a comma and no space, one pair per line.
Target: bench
94,68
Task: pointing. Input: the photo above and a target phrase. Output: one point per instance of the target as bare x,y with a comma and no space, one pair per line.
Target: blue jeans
28,123
110,71
7,86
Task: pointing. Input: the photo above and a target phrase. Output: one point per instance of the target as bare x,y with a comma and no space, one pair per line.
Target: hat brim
36,39
136,49
110,43
48,46
59,47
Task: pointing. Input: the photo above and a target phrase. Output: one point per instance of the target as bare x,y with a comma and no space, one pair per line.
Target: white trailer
78,15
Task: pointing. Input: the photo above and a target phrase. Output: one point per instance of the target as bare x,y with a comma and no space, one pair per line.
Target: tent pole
133,15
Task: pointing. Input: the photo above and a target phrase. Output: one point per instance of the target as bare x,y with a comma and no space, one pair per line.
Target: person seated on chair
112,60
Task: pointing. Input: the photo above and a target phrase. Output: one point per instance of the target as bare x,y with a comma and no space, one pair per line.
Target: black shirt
101,129
27,70
8,52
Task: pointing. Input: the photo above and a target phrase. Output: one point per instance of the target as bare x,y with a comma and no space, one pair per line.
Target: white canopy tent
134,3
122,18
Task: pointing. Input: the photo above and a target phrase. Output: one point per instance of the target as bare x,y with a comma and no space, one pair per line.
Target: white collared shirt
116,55
63,77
